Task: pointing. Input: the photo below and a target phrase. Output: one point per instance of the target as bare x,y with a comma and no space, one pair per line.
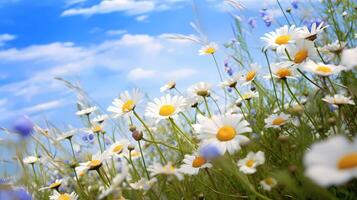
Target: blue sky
107,46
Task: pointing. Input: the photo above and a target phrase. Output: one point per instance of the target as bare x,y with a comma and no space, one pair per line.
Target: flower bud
137,135
131,147
132,128
283,138
253,88
239,103
203,93
331,121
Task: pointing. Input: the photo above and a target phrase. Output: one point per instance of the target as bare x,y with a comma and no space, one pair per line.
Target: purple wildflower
23,126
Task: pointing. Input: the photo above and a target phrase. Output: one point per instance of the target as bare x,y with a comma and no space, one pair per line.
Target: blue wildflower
23,126
9,192
210,151
252,22
294,4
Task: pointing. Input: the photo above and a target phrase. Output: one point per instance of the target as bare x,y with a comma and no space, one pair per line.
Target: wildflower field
281,127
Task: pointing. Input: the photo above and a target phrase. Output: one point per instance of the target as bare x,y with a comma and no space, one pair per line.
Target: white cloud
131,7
180,73
115,32
6,38
3,102
140,73
141,18
44,106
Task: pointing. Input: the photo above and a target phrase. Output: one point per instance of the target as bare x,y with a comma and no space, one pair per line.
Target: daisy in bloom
322,69
338,99
249,95
165,107
67,135
283,70
232,81
311,33
225,131
248,164
211,48
192,164
125,103
251,74
268,183
168,86
332,162
335,47
65,196
276,120
31,160
100,119
278,39
200,89
94,164
117,148
55,185
143,184
349,58
168,169
87,111
193,100
300,53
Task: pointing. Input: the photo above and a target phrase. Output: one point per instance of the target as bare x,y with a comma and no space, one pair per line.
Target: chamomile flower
100,119
208,49
168,86
283,70
332,162
225,131
268,183
300,53
322,69
249,95
231,81
67,135
31,160
276,120
143,184
335,47
278,39
55,185
165,107
125,103
312,33
201,89
251,74
86,111
93,164
338,99
192,164
64,196
168,169
248,164
117,148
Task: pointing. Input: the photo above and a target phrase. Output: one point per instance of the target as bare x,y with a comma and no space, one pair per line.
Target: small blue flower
210,151
252,22
18,193
23,126
294,4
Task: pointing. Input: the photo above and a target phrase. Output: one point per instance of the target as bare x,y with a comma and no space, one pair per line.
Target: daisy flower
283,70
335,47
55,185
200,89
67,135
211,48
311,34
349,58
322,69
30,160
100,119
192,164
232,81
338,99
276,120
268,183
94,164
87,111
143,184
249,95
225,131
332,162
168,86
300,53
278,39
65,196
168,169
165,107
125,103
248,164
251,74
117,148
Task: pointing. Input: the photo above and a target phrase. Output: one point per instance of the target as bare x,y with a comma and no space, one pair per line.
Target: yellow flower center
95,163
250,75
97,129
283,72
64,197
226,133
247,96
210,50
128,106
324,69
166,110
269,181
54,185
278,121
135,153
300,56
283,39
250,163
198,162
118,148
348,161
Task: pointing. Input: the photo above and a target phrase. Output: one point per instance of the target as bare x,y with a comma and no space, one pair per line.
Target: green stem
286,18
217,66
70,142
142,157
272,80
99,143
207,108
